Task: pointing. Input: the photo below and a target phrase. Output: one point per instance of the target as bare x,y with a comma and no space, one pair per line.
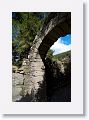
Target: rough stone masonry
58,25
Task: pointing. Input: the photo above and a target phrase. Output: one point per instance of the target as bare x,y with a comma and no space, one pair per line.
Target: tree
25,26
50,53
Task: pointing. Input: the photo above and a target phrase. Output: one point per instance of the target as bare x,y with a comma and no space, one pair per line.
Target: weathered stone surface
49,33
16,93
17,79
58,82
17,84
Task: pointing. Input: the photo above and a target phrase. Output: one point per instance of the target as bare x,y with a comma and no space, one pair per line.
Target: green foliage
25,26
50,53
62,55
58,57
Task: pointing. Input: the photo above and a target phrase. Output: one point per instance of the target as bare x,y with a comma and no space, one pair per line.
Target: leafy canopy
25,26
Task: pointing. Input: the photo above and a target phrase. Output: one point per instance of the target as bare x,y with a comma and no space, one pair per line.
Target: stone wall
17,86
58,80
19,79
58,25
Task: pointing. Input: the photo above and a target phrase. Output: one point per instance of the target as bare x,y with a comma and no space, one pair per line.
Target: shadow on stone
41,93
27,98
58,85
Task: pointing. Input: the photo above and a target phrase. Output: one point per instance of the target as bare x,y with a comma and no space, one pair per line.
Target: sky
63,44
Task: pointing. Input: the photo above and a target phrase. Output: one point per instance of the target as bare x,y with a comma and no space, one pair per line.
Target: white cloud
59,47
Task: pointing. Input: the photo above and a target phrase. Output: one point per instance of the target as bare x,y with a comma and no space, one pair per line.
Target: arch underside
57,27
60,30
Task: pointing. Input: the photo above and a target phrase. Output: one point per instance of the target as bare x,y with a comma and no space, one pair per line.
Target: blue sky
63,44
66,40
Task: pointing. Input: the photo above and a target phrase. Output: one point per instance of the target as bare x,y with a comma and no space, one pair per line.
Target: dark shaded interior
56,86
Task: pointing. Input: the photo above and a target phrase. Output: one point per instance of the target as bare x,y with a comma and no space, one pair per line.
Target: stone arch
57,26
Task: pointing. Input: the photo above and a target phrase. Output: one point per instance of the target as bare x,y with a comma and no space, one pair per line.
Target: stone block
17,79
16,90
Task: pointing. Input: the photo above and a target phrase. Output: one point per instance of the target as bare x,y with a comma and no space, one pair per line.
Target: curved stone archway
58,26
